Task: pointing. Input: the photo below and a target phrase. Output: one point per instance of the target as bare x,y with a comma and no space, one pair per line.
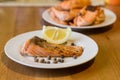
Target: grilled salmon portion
40,47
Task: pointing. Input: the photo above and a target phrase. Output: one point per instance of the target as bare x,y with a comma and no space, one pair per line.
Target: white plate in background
110,18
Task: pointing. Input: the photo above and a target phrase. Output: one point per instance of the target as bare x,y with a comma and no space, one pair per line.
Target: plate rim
57,67
84,27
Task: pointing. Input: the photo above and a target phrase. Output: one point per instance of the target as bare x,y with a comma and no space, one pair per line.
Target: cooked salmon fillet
40,47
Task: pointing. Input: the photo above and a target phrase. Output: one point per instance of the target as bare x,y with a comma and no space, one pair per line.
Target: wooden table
106,65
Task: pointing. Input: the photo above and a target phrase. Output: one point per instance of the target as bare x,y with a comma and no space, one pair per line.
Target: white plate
109,19
13,46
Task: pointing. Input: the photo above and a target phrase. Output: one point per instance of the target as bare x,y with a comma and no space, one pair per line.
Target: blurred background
42,2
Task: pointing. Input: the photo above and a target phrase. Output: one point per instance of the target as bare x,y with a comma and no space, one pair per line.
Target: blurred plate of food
85,16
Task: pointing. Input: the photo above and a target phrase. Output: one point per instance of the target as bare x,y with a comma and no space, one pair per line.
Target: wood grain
17,20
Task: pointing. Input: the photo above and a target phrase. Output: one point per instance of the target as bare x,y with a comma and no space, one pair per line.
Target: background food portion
77,13
72,4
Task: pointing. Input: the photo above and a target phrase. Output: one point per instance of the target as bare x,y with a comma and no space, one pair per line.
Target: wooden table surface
106,65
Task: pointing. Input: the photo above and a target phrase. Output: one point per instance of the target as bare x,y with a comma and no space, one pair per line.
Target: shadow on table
96,30
36,72
89,31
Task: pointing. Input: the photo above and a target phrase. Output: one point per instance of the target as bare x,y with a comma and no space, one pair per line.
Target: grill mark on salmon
40,47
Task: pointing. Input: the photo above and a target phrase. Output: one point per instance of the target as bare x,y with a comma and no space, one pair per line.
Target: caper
42,61
61,60
49,57
36,60
55,59
73,44
62,56
75,57
48,62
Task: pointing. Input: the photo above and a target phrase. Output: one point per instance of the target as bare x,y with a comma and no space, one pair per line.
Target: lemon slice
56,35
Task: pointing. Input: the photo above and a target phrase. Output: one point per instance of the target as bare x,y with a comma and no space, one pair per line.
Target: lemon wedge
56,35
